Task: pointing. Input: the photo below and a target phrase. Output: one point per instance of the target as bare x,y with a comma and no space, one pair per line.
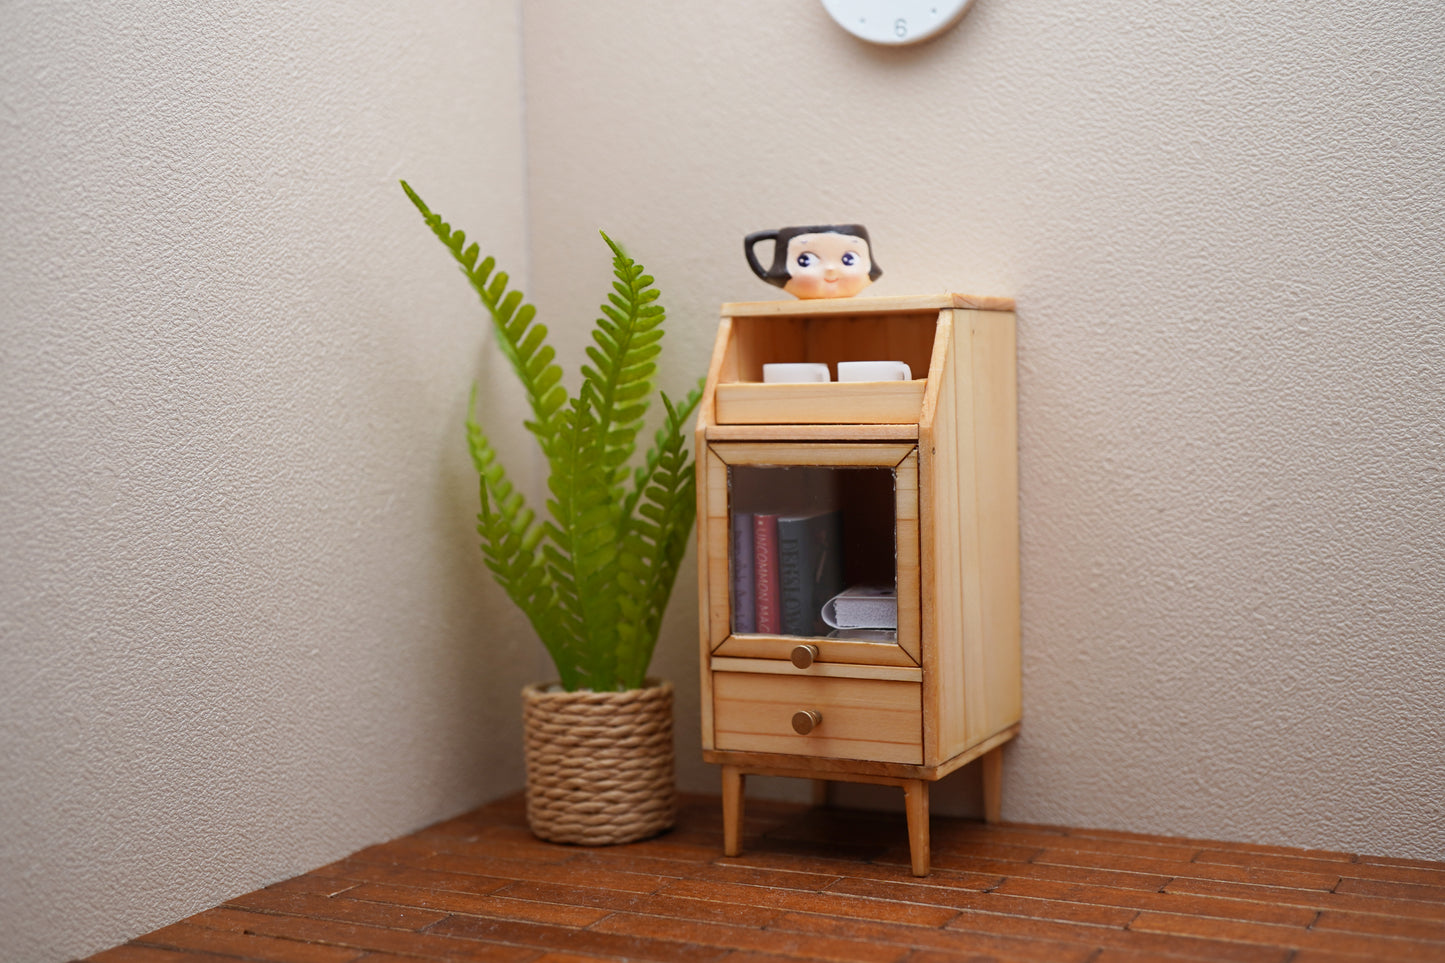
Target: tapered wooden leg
915,801
992,770
820,793
732,800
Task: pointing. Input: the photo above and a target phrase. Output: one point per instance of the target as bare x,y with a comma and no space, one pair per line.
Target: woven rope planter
599,764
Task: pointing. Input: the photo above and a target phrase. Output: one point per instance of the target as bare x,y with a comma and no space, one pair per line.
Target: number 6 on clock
896,22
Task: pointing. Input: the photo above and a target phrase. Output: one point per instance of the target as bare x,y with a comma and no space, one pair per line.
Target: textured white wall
240,604
243,617
1224,225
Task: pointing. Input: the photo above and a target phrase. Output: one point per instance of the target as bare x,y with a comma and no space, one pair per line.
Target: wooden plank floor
820,885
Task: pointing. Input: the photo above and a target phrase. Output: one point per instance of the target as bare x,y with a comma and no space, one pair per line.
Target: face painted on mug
827,265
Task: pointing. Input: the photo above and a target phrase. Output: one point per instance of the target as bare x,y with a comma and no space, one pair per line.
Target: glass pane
813,552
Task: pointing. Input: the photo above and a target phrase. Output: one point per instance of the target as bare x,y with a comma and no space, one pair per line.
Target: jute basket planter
599,764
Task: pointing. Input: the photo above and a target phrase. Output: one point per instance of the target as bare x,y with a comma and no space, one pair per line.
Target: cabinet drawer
873,719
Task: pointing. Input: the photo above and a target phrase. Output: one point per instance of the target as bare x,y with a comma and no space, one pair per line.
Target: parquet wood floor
820,885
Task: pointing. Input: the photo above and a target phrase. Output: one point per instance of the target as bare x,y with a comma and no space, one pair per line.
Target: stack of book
788,580
785,567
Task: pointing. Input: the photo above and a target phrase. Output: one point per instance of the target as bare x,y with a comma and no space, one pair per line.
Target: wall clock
896,22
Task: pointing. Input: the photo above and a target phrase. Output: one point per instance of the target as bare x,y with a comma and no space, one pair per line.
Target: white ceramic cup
795,372
874,371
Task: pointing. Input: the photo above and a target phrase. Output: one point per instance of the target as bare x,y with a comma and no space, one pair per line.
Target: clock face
896,21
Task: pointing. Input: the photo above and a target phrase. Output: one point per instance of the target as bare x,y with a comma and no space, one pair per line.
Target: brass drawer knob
806,720
804,655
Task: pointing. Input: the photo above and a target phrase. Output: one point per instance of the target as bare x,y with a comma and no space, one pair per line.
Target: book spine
744,604
809,568
766,587
793,577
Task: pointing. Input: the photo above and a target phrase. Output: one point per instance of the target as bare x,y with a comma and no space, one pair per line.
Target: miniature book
810,568
863,607
766,585
744,606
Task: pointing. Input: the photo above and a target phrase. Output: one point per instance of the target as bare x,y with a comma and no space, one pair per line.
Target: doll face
827,265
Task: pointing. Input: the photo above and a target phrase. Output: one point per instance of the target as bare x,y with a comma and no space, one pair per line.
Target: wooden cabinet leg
992,771
820,793
915,801
732,801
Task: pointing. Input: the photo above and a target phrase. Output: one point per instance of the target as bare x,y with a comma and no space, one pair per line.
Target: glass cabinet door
813,552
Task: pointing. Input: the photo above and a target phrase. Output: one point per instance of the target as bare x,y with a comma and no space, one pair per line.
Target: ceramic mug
795,373
874,371
821,261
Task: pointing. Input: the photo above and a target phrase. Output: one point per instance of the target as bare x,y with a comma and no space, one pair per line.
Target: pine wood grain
874,719
824,403
955,526
884,305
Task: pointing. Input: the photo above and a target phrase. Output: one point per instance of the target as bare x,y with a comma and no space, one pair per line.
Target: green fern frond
661,507
582,530
595,576
622,353
522,340
511,535
667,436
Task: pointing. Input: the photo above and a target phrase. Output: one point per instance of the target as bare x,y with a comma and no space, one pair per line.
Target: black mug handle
750,242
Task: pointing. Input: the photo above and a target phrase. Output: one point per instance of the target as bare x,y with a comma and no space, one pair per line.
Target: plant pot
599,764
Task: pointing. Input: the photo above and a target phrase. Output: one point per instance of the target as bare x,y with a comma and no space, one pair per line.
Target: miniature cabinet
908,485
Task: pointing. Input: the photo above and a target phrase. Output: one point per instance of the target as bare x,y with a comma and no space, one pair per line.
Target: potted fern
594,575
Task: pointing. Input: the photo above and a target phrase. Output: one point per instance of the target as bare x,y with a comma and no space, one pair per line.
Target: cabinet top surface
825,306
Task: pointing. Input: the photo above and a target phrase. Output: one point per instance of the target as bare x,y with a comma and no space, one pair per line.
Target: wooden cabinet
909,486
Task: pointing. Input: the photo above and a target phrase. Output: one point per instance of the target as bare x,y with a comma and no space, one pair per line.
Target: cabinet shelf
824,403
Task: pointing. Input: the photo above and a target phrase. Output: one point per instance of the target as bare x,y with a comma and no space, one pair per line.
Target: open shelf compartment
825,332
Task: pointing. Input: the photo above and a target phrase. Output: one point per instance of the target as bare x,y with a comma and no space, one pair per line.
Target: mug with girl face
822,261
